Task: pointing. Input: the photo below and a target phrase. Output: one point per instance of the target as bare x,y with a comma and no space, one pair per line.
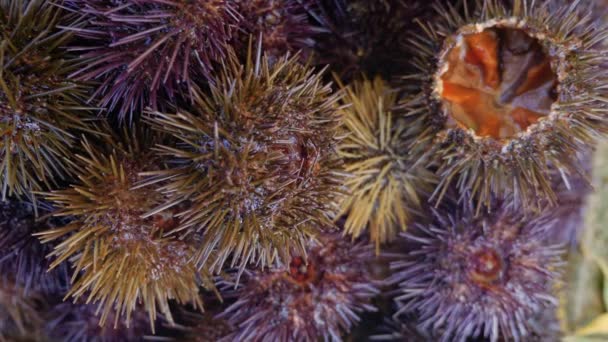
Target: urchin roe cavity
485,266
497,83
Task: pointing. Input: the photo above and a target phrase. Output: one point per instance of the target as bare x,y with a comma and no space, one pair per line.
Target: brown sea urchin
388,179
256,159
478,277
22,256
139,51
320,297
121,259
39,106
512,93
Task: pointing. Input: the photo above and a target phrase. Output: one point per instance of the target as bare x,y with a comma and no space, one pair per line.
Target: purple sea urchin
119,257
22,256
256,159
284,25
512,93
478,277
317,297
142,50
38,105
380,151
19,316
76,322
394,329
197,327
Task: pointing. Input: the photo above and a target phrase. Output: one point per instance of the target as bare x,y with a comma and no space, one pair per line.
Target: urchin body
79,322
318,297
513,94
121,259
487,277
256,161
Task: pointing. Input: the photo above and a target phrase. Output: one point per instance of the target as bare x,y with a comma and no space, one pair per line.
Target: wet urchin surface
478,277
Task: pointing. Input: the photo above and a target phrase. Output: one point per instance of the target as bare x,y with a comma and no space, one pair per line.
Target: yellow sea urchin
388,179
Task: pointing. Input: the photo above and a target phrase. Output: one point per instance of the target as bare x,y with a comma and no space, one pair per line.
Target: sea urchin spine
142,50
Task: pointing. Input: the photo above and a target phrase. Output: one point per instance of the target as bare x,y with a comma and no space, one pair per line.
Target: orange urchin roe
497,82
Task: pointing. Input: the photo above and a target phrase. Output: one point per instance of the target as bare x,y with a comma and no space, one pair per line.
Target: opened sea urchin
512,93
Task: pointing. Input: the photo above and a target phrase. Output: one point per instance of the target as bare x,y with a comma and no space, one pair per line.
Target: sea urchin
120,258
39,105
388,179
141,50
512,94
467,277
256,159
319,297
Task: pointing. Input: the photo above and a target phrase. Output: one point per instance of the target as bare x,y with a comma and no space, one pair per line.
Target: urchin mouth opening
486,266
496,80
